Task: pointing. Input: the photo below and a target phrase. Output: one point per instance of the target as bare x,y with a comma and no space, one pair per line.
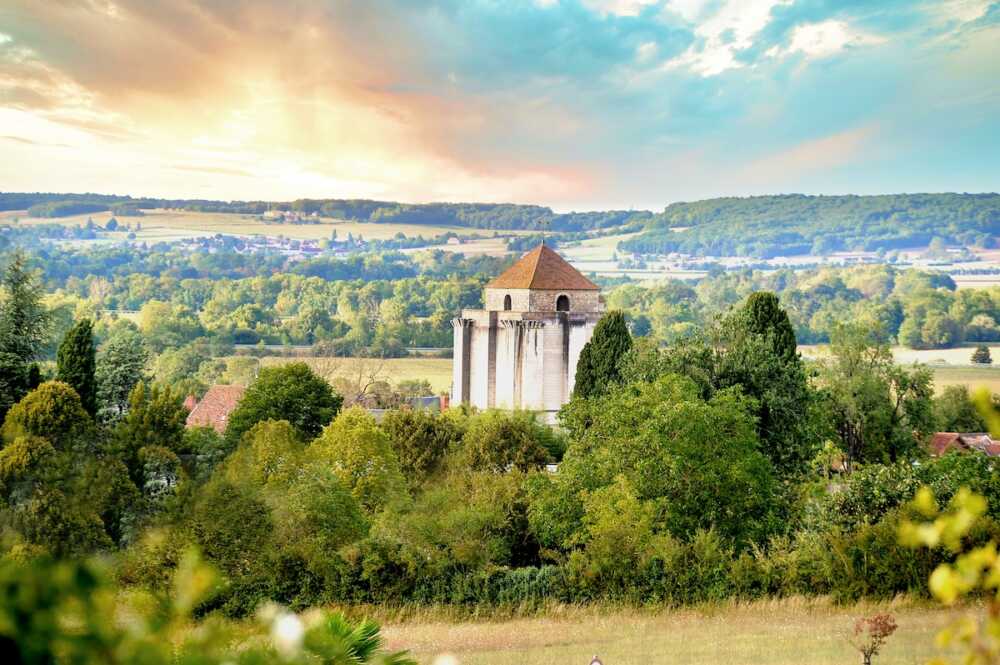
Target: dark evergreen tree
14,380
599,363
981,356
766,317
76,363
24,321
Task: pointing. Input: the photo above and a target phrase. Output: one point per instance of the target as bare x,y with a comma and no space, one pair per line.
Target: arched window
562,303
506,303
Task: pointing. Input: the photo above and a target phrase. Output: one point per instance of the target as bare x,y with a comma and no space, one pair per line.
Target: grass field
164,225
792,632
950,366
435,370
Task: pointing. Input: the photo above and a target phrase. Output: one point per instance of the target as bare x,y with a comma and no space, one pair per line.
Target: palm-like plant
336,641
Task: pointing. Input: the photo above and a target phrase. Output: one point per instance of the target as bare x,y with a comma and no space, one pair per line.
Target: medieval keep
521,351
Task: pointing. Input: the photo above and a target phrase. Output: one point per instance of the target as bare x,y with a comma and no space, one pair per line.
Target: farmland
792,631
173,225
437,371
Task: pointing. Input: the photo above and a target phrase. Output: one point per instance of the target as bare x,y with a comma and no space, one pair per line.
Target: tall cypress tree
766,317
77,364
598,366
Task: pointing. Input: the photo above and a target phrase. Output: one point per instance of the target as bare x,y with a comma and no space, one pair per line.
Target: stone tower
521,351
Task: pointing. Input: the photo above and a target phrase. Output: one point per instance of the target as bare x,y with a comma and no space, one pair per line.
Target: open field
973,377
165,225
435,370
792,632
950,366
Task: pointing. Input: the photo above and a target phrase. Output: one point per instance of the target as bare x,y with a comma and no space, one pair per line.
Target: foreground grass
790,631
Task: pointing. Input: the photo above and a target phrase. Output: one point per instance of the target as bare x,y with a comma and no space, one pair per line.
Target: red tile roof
543,268
214,408
942,442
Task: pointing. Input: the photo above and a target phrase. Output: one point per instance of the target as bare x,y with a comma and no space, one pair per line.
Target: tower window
562,303
506,303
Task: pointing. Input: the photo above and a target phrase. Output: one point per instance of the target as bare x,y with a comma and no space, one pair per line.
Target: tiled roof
942,442
214,408
542,268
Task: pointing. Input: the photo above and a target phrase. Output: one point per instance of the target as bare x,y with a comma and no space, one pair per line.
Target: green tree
598,367
76,364
292,392
765,317
121,365
24,321
880,410
155,418
682,452
954,411
361,457
420,440
54,412
497,441
14,381
981,356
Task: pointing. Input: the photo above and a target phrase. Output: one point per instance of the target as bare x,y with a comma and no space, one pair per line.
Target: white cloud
619,7
5,38
646,51
730,29
820,40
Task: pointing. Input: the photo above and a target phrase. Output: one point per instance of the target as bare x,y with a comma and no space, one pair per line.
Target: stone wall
579,301
494,299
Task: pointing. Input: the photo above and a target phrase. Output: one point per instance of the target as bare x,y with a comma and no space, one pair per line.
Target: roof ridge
545,269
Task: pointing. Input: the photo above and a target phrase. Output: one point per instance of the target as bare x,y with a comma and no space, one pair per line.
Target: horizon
555,210
572,104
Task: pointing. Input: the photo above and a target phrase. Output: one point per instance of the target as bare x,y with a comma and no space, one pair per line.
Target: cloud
566,102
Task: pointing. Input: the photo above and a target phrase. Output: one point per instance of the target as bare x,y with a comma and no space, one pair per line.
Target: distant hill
758,226
768,226
506,216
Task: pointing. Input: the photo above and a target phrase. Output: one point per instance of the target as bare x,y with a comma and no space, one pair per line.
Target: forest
761,226
769,226
815,463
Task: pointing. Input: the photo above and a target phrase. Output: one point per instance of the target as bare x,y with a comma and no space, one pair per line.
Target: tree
880,410
361,457
121,365
598,366
291,392
24,321
54,412
954,411
14,381
497,441
981,356
420,440
76,364
155,418
871,633
764,316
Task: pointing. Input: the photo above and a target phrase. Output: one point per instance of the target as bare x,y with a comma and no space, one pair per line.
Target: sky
575,104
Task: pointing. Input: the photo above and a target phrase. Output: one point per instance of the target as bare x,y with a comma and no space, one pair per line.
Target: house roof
214,408
942,442
543,268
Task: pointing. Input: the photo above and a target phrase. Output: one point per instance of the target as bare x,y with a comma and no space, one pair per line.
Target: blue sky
578,104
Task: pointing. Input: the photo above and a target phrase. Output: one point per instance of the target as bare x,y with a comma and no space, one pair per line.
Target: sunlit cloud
572,103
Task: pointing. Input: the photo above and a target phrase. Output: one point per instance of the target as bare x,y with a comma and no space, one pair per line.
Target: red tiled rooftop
214,408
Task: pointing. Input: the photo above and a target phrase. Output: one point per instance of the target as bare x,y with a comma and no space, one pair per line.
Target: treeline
470,215
718,467
918,309
769,226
